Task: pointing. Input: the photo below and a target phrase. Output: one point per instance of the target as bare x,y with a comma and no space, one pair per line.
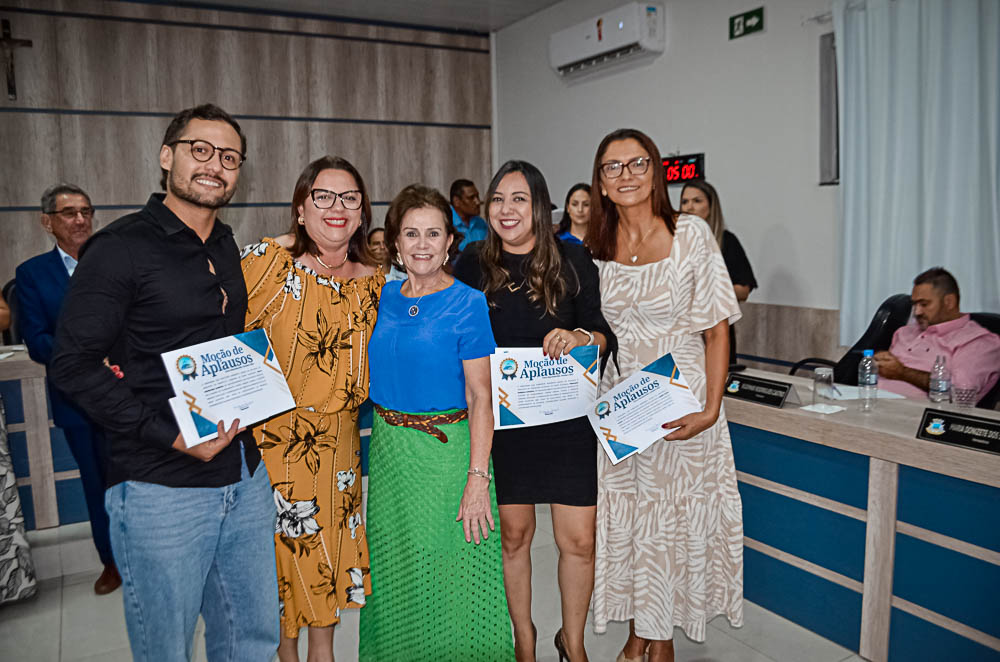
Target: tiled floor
66,621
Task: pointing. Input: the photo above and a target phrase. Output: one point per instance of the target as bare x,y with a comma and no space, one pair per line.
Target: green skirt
434,596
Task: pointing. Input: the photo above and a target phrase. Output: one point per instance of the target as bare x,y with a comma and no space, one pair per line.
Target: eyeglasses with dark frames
69,213
324,199
637,166
203,151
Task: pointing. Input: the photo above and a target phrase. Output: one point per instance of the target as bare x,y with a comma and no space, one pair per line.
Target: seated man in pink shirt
938,328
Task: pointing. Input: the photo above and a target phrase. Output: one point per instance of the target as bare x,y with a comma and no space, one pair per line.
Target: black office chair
11,336
892,314
991,322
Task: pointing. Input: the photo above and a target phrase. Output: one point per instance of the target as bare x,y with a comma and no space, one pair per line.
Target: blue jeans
182,551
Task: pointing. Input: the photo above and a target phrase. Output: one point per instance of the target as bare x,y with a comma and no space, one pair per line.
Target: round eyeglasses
324,199
203,151
637,166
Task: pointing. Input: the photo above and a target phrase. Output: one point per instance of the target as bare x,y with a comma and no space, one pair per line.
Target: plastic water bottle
868,380
940,381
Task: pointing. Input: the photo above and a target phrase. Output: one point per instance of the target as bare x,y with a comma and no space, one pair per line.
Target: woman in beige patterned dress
669,519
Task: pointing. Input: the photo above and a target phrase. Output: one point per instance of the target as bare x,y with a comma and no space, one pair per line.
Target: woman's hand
474,512
560,341
690,425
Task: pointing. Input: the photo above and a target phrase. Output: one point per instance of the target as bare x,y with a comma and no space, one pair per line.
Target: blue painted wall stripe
828,472
816,604
27,506
241,28
260,118
960,587
830,540
913,639
951,506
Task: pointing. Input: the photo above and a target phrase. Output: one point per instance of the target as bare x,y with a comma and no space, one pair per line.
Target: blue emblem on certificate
508,369
187,366
936,427
602,409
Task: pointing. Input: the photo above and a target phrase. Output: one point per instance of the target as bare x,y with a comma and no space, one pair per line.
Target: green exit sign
746,23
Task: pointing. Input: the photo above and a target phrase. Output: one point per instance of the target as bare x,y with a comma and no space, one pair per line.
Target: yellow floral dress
319,328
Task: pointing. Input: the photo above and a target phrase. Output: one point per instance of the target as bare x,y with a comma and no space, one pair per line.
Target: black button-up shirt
143,286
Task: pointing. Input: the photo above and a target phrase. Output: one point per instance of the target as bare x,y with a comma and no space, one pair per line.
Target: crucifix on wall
7,45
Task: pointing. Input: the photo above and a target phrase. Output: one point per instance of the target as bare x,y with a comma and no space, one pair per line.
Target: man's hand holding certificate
629,418
530,388
237,377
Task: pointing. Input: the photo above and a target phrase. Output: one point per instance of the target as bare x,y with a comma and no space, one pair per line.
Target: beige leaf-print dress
669,519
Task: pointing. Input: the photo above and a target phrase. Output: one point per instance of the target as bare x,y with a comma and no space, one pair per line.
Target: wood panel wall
98,87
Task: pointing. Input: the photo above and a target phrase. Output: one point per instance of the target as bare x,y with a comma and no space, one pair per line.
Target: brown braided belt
424,422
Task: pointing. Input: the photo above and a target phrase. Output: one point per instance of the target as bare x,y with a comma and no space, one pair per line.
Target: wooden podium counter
859,531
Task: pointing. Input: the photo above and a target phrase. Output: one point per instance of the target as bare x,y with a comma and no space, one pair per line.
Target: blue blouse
569,237
415,363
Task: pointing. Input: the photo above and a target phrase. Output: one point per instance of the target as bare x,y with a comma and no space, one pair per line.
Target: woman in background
700,199
542,293
315,291
435,595
576,215
669,519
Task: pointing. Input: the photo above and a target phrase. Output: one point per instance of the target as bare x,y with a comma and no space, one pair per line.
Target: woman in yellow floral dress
316,294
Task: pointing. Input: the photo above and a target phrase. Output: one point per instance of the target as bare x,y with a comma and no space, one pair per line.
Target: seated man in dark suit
41,285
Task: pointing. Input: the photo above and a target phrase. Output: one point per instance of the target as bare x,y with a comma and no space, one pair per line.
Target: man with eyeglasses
67,215
192,528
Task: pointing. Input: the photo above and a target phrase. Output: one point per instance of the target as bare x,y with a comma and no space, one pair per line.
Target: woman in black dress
699,198
542,292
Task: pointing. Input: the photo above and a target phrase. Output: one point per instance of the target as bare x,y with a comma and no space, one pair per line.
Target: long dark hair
716,222
566,222
544,265
602,234
357,247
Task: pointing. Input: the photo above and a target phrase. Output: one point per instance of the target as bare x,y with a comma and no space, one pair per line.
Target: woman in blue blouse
436,568
576,215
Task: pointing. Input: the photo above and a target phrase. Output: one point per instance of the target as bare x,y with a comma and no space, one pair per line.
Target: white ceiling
477,15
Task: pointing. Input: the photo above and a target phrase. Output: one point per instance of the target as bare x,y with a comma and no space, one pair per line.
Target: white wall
752,105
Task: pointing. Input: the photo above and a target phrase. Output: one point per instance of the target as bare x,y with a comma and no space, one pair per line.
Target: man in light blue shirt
465,207
68,216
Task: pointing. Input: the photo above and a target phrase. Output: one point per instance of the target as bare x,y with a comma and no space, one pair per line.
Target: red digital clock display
685,168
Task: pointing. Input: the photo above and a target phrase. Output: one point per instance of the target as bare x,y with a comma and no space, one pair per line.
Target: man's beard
208,201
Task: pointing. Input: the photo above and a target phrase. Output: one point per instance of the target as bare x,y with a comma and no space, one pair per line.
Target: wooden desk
36,425
881,444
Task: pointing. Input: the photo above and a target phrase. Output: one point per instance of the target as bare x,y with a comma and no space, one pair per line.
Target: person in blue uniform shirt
465,208
68,216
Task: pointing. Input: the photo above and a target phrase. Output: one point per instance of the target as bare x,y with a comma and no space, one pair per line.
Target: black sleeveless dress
554,463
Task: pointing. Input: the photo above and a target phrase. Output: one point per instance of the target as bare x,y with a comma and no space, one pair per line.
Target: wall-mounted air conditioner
627,35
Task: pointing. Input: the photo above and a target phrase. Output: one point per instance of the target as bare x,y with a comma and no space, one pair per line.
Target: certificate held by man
236,377
629,418
530,388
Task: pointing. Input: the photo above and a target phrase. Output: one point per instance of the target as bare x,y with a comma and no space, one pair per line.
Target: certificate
532,389
628,418
225,379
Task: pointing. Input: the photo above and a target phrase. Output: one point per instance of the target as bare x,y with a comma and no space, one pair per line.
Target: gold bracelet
482,474
590,336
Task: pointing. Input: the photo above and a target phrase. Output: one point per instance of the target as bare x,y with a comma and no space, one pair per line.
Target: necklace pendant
413,310
634,258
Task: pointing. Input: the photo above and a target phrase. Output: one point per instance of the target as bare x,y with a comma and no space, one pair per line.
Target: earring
302,220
